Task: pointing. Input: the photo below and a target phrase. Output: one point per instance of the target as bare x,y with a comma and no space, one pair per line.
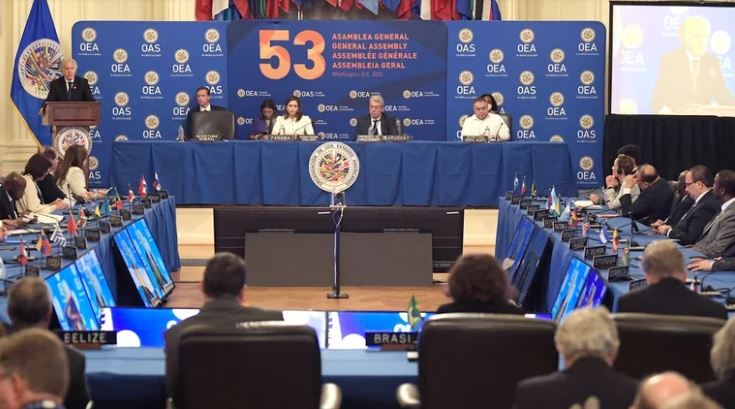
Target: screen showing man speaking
672,59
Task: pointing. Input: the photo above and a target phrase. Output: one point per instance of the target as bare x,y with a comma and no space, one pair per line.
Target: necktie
374,129
695,73
68,89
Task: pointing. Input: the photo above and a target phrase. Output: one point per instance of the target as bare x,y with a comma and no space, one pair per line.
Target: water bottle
180,134
486,132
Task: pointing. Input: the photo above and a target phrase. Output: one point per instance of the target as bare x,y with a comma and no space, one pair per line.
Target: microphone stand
337,208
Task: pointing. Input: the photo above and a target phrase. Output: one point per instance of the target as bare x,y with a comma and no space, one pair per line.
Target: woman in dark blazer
477,283
49,190
263,124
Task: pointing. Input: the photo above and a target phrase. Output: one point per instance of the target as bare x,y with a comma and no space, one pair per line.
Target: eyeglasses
691,183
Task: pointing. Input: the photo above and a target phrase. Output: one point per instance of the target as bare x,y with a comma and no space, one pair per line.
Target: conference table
415,173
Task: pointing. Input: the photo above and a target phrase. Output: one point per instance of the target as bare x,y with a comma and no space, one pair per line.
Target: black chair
652,343
508,122
255,365
213,126
476,360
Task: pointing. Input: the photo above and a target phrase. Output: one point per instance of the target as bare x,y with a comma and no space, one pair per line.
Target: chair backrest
652,343
213,125
476,360
508,121
254,365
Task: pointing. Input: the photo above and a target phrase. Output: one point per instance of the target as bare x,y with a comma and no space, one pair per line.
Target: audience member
34,371
588,342
722,358
477,283
49,190
658,390
667,292
682,203
622,167
692,400
12,189
36,169
224,287
29,306
72,175
656,196
718,237
698,183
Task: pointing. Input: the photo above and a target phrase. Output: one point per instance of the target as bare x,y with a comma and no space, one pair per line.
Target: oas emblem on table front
334,167
72,136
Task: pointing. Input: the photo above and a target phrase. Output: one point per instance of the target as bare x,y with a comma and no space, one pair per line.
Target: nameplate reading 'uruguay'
88,337
388,339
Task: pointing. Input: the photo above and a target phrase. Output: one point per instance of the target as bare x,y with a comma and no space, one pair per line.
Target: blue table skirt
367,379
418,173
561,255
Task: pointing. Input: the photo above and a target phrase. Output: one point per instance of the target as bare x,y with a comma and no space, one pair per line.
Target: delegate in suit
376,122
70,86
654,201
718,237
203,105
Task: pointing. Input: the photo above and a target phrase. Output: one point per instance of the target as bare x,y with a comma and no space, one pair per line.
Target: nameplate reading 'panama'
592,251
605,261
88,337
383,339
577,243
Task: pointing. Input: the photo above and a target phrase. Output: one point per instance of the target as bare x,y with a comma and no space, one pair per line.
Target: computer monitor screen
150,254
147,287
95,283
347,328
70,301
526,271
518,244
571,289
593,291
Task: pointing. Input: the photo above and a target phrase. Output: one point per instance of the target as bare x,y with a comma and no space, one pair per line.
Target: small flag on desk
534,191
71,226
604,234
142,187
567,213
45,247
82,218
515,182
586,229
131,195
97,211
156,182
57,237
105,208
615,240
22,254
574,218
414,314
523,186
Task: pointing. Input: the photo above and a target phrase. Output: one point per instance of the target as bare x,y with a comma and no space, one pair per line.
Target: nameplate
309,138
560,226
532,209
618,273
116,221
593,251
164,194
549,222
105,227
138,209
155,197
32,271
391,340
80,242
524,203
69,252
53,263
577,243
568,234
605,262
283,138
638,284
93,235
126,215
395,138
540,214
516,199
88,337
368,138
148,203
475,138
207,137
508,195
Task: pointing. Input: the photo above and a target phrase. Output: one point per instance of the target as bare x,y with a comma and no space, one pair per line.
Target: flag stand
337,208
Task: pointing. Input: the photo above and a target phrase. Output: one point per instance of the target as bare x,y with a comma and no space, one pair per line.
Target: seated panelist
263,124
376,122
203,105
293,121
483,122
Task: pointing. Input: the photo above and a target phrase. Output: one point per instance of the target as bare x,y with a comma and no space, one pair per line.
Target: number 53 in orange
281,66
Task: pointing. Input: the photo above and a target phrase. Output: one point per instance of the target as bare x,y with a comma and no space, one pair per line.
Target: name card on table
532,209
53,263
524,203
88,339
126,215
155,197
116,221
164,194
539,215
568,234
592,251
80,242
138,209
508,195
549,222
516,199
392,340
605,262
618,273
560,226
69,252
148,202
93,235
638,284
105,227
577,243
32,271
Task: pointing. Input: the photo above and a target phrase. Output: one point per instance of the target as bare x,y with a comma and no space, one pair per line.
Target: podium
70,122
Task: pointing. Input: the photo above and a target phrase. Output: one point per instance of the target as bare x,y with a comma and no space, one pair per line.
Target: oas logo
466,77
406,121
556,139
240,121
120,55
499,98
241,93
181,56
526,122
321,108
588,34
527,35
353,122
89,34
182,99
406,94
211,35
297,93
586,163
121,99
557,55
151,77
94,163
212,77
586,121
72,136
496,56
152,122
587,77
38,65
334,167
91,77
121,138
465,35
632,36
353,94
462,119
526,77
150,36
556,99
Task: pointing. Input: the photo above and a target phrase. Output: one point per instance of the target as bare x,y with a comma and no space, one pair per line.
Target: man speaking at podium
376,122
69,87
203,105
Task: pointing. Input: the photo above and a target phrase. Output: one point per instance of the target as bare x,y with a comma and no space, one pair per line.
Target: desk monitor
95,282
150,255
571,289
593,291
70,301
518,244
524,274
346,329
144,283
212,126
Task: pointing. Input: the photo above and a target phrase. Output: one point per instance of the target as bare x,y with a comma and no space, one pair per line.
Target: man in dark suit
654,201
718,237
203,105
723,363
588,341
11,190
690,74
667,292
69,87
681,203
698,183
29,306
224,287
376,122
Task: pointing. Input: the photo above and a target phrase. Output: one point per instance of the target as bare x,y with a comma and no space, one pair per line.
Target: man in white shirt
718,237
485,123
203,105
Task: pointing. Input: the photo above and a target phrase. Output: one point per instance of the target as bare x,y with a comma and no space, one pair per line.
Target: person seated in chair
655,199
722,358
224,288
682,202
203,105
622,166
376,122
477,283
657,391
588,342
718,236
485,123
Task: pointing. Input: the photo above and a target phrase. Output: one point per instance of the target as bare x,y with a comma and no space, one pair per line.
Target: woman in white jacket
72,175
293,121
37,168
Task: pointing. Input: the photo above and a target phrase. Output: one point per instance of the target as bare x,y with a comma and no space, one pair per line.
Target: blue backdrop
545,74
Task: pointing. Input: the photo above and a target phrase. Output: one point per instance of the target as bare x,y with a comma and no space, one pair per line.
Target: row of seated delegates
37,169
224,287
30,311
72,176
483,122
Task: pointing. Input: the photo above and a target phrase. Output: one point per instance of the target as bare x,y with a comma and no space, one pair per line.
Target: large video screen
93,278
144,281
347,328
70,301
672,59
150,254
